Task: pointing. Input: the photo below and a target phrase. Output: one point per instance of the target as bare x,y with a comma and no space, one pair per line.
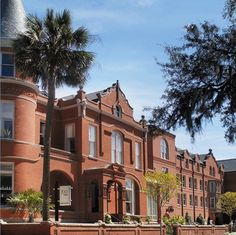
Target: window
212,202
70,137
195,201
218,187
184,199
164,170
206,202
7,65
184,181
205,185
6,181
118,111
152,207
190,182
117,148
178,199
213,171
201,201
201,184
164,149
195,184
210,170
190,199
42,132
198,167
130,196
212,187
92,141
6,119
137,155
186,163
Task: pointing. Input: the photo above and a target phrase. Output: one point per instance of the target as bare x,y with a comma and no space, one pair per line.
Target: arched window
118,111
164,149
130,196
117,148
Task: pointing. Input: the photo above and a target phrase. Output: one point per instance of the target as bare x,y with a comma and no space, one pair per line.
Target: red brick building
97,148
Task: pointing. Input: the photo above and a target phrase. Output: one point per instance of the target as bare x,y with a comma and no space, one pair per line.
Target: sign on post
65,195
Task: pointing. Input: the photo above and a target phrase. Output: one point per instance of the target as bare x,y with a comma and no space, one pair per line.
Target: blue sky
132,34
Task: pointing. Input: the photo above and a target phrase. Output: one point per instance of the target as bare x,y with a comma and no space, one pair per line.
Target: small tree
227,203
161,187
29,201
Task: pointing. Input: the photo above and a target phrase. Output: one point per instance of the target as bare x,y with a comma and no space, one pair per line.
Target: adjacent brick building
97,148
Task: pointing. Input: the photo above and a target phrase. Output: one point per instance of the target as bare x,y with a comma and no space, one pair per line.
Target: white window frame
164,170
12,118
130,188
92,140
138,163
117,148
67,138
151,207
8,172
191,200
178,199
164,149
14,65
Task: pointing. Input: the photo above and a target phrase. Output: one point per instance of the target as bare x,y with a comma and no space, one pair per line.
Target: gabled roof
229,164
12,18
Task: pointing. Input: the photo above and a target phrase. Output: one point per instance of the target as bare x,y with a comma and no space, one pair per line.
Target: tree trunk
47,146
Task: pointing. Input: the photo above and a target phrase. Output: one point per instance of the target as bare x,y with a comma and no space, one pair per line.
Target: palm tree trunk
47,146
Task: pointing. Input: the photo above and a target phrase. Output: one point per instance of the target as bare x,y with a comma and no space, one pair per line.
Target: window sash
152,207
7,65
130,196
6,119
92,141
137,155
117,148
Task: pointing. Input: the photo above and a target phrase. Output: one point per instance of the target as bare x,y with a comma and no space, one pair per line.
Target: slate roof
229,164
12,18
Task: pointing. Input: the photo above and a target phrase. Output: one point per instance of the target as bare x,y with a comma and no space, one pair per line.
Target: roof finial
117,90
210,152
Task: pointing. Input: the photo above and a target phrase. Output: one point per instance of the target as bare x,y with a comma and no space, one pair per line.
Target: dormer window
118,111
7,65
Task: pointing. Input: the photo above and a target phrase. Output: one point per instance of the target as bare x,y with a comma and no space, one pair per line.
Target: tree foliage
51,52
161,187
227,203
29,201
201,79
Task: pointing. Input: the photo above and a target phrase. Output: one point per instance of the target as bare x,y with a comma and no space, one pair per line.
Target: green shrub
107,218
29,201
169,222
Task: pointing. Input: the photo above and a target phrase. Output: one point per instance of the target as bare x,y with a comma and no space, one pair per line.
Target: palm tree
52,53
